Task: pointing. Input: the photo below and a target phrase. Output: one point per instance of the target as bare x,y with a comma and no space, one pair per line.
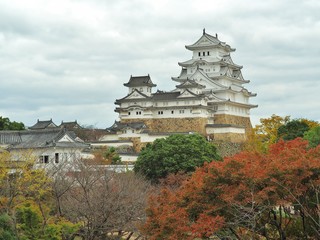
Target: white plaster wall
128,158
225,130
112,144
109,137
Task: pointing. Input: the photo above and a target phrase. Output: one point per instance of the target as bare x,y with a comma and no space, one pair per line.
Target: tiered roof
208,41
140,81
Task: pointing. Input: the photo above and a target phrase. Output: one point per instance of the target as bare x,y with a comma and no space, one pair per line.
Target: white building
209,98
51,146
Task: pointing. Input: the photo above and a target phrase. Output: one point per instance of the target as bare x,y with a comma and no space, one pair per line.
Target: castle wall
173,124
228,137
232,119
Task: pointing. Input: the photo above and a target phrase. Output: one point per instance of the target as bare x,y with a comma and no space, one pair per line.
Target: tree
313,136
6,124
292,129
251,195
6,228
173,154
265,133
26,198
105,202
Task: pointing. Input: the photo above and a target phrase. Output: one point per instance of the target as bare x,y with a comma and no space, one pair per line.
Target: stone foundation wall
232,119
173,124
229,137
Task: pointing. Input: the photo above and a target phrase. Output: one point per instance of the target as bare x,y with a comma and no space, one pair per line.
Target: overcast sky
68,59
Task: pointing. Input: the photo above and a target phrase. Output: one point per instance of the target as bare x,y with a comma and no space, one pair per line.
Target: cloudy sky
68,59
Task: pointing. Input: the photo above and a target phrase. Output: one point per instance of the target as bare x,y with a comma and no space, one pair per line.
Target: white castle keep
209,98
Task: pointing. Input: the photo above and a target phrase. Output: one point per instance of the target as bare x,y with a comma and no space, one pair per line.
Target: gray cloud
69,59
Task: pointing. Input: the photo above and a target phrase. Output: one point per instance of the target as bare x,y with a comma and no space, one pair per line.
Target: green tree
6,124
292,129
174,154
111,155
6,228
313,136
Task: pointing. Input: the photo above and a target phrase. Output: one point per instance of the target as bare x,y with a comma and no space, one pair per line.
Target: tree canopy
292,129
313,136
6,124
177,153
273,195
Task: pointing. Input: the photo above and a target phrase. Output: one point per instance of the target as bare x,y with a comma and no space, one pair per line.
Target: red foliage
250,182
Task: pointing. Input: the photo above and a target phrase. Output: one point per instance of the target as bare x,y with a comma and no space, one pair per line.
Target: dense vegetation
6,124
270,190
176,153
73,200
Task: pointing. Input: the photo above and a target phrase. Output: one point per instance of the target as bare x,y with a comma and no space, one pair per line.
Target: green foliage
292,129
29,222
31,225
313,136
112,155
6,228
173,154
6,124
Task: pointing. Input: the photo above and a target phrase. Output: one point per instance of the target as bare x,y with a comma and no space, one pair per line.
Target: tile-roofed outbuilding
38,139
43,125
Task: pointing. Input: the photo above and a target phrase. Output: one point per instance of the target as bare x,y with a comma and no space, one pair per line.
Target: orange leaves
206,225
238,193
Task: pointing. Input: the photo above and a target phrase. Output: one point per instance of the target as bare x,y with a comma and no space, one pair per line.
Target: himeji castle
209,98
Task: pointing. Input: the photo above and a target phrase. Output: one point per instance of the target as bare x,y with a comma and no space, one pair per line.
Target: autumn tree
248,196
265,133
26,198
103,201
173,154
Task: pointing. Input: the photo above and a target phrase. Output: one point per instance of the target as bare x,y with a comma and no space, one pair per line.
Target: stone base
232,119
173,124
229,137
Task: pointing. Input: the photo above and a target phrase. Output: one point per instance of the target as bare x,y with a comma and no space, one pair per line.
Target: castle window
138,113
181,111
160,112
56,158
199,54
208,53
129,113
204,53
172,112
44,159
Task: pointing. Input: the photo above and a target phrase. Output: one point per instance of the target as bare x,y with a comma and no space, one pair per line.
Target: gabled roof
140,81
143,96
117,126
207,41
70,125
43,125
188,92
190,84
27,139
195,61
